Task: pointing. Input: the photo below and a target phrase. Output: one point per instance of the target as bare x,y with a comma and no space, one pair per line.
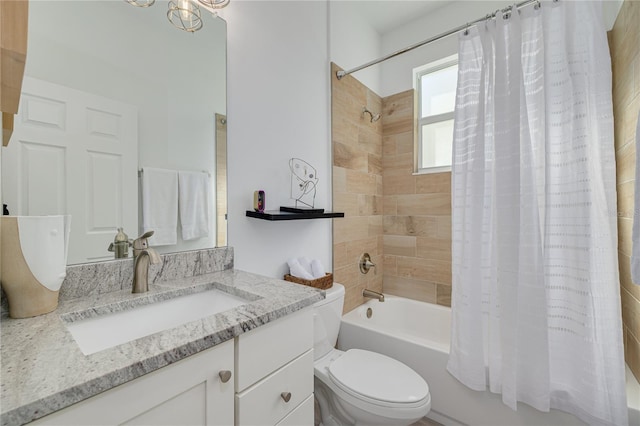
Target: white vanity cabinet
262,377
274,373
197,390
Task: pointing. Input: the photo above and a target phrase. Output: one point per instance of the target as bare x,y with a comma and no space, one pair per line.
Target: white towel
317,269
194,204
297,270
635,234
160,205
305,262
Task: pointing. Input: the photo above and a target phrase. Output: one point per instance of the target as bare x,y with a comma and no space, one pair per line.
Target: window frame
418,72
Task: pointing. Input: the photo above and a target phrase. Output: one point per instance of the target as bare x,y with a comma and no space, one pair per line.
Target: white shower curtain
536,303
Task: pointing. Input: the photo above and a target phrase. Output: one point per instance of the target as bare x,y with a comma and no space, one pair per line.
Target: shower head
374,117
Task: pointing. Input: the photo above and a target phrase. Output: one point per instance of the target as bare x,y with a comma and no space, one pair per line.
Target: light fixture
141,3
185,15
214,4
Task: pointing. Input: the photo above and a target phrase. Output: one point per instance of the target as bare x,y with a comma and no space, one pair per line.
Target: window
436,88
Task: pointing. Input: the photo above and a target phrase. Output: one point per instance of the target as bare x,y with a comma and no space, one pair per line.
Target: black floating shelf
281,215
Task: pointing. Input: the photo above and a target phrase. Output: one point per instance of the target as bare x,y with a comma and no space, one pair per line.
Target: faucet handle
141,242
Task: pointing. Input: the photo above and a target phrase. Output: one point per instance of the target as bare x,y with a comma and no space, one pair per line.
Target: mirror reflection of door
221,180
74,152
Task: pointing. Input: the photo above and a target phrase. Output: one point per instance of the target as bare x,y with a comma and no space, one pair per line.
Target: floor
426,422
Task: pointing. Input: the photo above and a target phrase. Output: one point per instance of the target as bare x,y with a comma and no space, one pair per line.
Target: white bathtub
417,334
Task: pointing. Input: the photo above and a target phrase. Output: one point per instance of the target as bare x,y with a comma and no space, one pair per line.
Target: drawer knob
286,396
225,375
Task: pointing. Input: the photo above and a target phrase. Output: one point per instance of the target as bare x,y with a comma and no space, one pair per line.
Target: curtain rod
341,73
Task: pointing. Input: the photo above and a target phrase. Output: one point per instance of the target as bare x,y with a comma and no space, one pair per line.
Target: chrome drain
369,312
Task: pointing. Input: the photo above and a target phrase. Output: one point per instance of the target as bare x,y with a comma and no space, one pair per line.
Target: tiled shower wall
417,212
624,42
357,186
388,209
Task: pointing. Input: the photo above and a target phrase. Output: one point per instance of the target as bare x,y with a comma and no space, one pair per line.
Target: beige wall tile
424,204
630,312
349,157
397,113
350,228
410,288
389,145
433,182
370,140
374,163
405,142
361,183
347,203
404,162
389,205
390,264
624,235
339,180
435,271
344,130
399,245
340,255
625,276
431,247
357,185
443,295
410,225
355,249
625,53
626,163
398,184
444,227
353,298
626,199
375,225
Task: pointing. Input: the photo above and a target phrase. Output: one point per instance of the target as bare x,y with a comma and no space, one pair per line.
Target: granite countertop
43,369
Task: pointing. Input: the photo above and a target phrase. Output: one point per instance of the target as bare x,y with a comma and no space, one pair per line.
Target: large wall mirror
111,89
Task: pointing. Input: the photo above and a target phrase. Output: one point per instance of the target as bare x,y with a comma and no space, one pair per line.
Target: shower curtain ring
466,30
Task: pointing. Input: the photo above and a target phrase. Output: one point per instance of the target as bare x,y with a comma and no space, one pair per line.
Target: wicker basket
321,283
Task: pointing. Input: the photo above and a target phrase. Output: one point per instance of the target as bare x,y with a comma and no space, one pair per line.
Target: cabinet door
190,391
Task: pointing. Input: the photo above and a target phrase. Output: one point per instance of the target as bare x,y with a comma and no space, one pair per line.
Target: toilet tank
326,320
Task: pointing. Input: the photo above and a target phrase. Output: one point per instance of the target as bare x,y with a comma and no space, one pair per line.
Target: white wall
397,73
354,42
278,108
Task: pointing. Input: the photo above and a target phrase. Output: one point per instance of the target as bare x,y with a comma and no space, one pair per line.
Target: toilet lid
377,377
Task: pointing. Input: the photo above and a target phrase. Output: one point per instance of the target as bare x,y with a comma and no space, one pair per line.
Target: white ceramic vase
33,262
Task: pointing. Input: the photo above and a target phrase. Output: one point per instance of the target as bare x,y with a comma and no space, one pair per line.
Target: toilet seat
378,379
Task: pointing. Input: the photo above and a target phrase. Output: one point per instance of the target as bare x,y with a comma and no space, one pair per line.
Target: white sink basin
113,329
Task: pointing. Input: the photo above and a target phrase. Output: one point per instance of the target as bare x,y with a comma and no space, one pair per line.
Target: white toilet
360,387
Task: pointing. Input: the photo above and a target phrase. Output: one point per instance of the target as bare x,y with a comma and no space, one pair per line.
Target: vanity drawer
263,403
261,351
301,415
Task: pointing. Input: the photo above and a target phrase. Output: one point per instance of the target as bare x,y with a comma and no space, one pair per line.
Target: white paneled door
76,153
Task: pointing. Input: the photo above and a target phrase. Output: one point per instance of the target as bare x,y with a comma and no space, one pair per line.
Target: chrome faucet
144,255
373,294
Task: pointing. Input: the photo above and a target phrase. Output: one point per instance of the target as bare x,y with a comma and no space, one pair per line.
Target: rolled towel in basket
317,269
297,270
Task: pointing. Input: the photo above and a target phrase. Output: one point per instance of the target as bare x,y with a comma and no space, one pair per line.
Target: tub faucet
144,255
373,294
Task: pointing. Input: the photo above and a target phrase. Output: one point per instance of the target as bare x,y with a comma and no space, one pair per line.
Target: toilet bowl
359,387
